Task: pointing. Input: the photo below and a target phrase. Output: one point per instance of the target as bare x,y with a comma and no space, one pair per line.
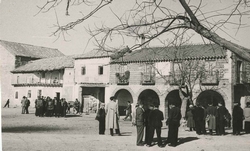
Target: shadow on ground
186,139
24,129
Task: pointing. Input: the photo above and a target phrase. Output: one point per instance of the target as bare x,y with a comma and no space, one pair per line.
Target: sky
19,22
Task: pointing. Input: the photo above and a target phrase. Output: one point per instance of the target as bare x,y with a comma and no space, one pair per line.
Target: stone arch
172,97
210,96
123,96
148,97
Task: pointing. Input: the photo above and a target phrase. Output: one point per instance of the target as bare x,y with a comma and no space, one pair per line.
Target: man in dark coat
155,121
238,118
173,123
147,124
139,122
222,112
199,118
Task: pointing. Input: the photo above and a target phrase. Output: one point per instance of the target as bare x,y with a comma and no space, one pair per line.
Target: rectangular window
29,94
43,75
16,95
149,68
83,71
100,70
39,93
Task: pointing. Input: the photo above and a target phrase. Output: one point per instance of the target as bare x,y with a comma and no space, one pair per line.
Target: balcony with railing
147,78
175,79
243,77
210,78
123,78
38,82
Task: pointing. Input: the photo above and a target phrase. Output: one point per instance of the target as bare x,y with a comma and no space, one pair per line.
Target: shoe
161,146
173,145
149,145
140,144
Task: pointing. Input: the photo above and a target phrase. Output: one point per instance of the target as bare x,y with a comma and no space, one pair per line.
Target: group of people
148,118
25,105
217,118
45,106
151,119
108,117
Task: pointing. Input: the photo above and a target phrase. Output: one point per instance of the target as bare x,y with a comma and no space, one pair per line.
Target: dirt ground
26,132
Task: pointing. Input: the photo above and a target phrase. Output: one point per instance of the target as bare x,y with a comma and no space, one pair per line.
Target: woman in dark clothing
190,119
101,118
58,108
64,107
238,118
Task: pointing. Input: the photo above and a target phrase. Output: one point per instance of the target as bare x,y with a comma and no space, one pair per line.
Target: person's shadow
186,139
181,140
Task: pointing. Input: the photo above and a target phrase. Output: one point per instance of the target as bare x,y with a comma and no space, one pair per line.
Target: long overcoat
112,115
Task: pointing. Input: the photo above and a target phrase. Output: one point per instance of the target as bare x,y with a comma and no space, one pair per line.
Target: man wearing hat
112,116
139,122
222,112
238,118
247,117
173,123
155,121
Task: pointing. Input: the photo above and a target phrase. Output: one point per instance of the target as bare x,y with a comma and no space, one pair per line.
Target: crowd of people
148,120
45,106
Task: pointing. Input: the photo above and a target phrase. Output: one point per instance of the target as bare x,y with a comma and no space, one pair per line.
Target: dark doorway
123,96
210,96
58,95
148,97
172,97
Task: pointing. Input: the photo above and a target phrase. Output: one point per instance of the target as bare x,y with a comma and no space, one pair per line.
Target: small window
43,75
100,70
16,95
39,93
29,94
83,70
17,79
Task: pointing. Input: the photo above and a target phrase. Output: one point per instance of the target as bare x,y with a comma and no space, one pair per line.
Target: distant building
53,77
14,55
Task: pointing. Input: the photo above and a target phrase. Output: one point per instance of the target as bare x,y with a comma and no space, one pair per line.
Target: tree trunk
196,26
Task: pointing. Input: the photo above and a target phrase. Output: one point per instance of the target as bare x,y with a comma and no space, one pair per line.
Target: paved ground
26,132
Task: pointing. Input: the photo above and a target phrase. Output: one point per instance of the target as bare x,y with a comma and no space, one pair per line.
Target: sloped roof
96,53
47,64
185,52
26,50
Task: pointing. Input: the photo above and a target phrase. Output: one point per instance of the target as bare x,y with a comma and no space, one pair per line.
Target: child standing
101,118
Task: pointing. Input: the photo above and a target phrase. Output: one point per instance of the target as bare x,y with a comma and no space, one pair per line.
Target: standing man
222,112
112,116
128,112
147,124
155,120
238,118
139,122
27,104
173,123
247,117
199,118
211,114
7,103
23,102
77,105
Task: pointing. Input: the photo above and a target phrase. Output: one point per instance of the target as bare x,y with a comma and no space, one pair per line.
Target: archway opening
123,96
172,97
210,96
148,97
